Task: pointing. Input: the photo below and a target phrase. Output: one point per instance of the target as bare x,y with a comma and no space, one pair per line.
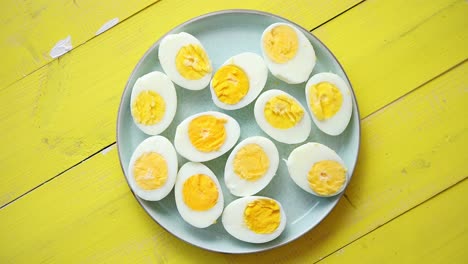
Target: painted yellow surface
65,111
89,215
434,232
31,28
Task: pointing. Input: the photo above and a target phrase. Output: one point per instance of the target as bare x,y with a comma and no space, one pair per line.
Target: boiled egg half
329,102
198,195
185,60
288,53
153,168
206,136
282,117
153,102
254,219
317,169
251,166
239,81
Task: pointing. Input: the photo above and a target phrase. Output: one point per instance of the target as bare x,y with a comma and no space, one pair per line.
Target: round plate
224,34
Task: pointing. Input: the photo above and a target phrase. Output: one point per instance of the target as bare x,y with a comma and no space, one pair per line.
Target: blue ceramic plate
224,34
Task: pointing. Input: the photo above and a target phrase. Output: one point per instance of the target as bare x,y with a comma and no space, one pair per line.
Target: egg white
257,73
336,124
163,147
159,83
301,160
297,134
200,219
185,148
233,221
168,49
240,187
299,68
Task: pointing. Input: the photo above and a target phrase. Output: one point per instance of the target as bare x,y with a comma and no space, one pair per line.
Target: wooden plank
389,47
64,112
89,215
434,232
31,28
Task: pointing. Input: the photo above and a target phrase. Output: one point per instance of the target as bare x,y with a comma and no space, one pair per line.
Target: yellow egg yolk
230,84
207,133
192,62
326,177
150,171
200,192
325,100
251,162
262,216
281,43
149,108
283,112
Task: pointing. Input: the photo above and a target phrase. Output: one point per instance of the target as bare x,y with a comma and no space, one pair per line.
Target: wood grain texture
434,232
31,28
67,110
89,214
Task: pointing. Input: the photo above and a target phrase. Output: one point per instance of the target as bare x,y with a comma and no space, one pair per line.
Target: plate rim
201,17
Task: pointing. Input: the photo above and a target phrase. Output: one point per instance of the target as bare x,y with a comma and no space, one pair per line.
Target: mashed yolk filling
251,162
150,171
262,216
230,84
281,44
200,192
207,133
325,100
326,177
192,62
283,112
149,108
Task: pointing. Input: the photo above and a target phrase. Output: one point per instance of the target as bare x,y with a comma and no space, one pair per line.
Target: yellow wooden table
63,196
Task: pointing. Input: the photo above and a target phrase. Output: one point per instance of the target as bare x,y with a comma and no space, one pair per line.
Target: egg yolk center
192,62
281,44
200,192
230,84
149,108
251,162
150,171
325,100
262,216
326,177
283,112
207,133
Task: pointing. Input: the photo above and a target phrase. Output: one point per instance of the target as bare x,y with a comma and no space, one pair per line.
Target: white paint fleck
63,46
107,25
107,150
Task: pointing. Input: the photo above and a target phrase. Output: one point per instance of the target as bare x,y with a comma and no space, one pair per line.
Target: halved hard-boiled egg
206,136
184,59
288,53
198,195
317,169
239,81
329,102
251,166
153,102
282,117
152,169
254,219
